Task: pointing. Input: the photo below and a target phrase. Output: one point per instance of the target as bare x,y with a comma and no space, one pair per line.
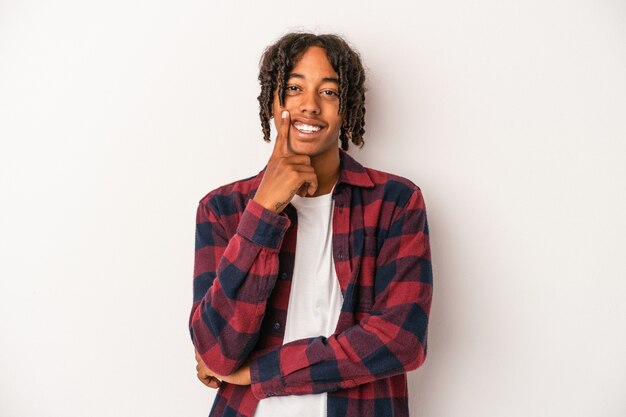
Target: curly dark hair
280,57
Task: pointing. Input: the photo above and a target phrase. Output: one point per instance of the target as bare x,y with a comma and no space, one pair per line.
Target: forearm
373,349
387,340
233,281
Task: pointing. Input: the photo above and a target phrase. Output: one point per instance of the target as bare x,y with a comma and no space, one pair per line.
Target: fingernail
285,114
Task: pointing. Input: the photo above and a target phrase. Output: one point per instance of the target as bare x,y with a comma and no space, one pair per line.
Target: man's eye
291,88
330,93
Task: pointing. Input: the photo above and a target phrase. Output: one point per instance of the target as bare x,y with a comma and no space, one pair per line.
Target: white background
116,117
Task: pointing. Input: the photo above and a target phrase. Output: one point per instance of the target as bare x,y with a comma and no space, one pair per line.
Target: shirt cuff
262,226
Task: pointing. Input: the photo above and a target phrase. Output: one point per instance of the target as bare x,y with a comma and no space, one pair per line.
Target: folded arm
233,279
390,339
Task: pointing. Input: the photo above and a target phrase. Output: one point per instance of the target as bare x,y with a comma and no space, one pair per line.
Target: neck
327,170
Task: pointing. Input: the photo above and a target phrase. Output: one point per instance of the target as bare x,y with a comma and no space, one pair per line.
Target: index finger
281,147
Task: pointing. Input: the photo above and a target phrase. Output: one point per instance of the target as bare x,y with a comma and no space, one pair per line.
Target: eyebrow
325,79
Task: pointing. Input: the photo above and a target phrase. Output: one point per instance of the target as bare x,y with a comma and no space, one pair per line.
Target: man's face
312,99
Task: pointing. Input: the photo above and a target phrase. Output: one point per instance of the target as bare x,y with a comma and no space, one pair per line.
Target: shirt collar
350,172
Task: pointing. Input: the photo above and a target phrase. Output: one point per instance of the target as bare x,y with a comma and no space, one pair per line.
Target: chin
304,149
312,148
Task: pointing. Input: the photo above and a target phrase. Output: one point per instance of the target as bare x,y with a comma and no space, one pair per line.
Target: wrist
273,207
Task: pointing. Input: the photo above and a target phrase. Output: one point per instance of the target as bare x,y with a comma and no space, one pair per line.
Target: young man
312,279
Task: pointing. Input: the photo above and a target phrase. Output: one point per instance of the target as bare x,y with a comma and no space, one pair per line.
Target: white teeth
304,128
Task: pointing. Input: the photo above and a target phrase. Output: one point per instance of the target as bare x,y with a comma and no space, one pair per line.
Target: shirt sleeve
233,279
389,340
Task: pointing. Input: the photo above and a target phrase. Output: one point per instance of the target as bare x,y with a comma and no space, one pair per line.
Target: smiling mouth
306,128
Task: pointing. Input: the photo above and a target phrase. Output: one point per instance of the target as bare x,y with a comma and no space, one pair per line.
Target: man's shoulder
391,187
376,183
231,197
382,178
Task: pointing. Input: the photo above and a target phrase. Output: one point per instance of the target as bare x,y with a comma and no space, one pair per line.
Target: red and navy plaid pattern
242,277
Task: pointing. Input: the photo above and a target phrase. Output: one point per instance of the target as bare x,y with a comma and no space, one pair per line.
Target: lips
307,127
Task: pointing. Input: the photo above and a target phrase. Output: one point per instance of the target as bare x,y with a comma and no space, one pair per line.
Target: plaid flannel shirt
242,276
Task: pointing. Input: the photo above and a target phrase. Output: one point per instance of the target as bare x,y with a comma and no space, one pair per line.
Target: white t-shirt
314,300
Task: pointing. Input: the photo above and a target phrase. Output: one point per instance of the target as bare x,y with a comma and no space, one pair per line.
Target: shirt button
341,256
276,325
270,394
283,276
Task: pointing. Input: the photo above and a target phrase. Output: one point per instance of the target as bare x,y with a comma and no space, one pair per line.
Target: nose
309,103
